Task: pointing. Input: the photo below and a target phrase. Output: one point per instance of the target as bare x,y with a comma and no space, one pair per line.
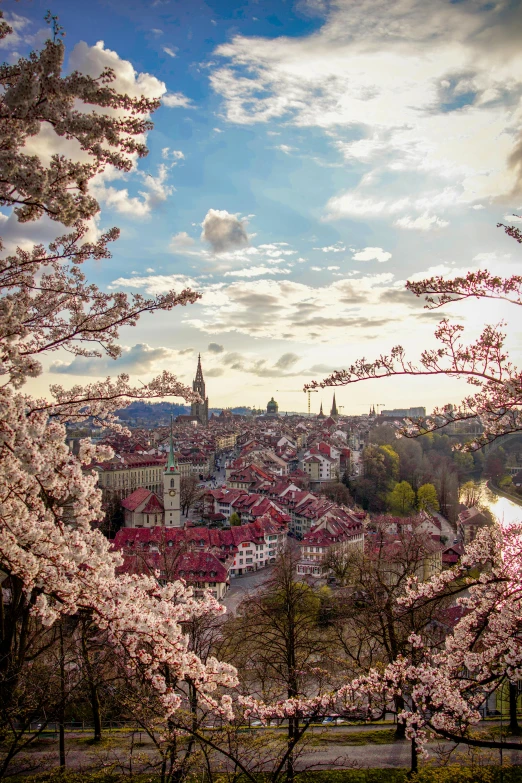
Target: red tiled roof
199,537
154,505
136,498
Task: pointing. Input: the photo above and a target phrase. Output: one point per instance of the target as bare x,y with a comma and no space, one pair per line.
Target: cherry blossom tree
497,397
52,562
443,689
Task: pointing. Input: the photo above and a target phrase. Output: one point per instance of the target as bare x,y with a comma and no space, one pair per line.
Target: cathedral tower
171,489
333,412
200,409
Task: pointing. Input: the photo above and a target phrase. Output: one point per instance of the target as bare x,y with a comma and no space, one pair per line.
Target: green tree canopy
401,499
235,519
391,461
427,499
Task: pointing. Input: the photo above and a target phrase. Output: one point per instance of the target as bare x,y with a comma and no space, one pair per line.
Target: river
506,511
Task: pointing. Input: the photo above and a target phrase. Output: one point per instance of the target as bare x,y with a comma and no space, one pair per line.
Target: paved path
241,586
446,528
392,755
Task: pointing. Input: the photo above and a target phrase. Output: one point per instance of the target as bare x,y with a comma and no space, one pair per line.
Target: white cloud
169,50
257,271
139,358
91,60
285,148
354,204
176,155
337,248
181,241
155,284
406,86
339,311
18,24
333,268
316,268
284,367
372,254
176,100
425,222
224,231
156,192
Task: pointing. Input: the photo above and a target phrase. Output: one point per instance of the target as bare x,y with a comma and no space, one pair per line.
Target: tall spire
199,371
333,412
199,410
172,463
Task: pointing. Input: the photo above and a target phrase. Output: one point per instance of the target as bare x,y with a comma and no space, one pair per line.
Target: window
172,483
249,560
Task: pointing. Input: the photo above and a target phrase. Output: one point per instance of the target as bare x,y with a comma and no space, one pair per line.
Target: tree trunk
93,688
414,757
290,771
61,717
514,728
400,728
96,715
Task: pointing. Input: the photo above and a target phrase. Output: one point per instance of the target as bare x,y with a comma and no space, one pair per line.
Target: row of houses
205,558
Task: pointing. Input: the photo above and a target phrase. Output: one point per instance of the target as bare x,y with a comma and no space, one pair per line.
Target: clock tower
171,489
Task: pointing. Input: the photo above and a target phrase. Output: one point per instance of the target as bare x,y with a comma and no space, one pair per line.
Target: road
446,528
118,751
241,586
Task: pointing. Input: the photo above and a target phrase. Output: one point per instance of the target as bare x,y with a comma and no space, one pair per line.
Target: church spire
334,412
199,371
172,463
199,410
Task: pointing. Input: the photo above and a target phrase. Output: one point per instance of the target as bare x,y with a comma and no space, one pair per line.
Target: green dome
272,406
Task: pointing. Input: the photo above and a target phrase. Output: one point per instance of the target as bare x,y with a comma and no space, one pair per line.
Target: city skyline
303,165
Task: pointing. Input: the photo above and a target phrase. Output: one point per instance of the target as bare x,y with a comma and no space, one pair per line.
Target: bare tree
277,643
338,493
370,622
189,492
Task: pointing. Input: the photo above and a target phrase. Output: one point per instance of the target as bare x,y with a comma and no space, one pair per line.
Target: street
241,586
119,747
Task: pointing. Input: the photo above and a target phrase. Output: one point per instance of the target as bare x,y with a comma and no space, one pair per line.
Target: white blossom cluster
50,552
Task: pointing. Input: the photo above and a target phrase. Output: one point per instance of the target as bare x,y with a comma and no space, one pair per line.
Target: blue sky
307,159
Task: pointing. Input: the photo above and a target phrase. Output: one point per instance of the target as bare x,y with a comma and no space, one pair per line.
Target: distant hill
156,412
151,412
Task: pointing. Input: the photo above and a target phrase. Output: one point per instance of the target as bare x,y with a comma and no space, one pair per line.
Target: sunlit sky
308,158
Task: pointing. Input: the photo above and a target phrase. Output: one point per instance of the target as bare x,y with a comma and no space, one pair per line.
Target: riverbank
497,491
